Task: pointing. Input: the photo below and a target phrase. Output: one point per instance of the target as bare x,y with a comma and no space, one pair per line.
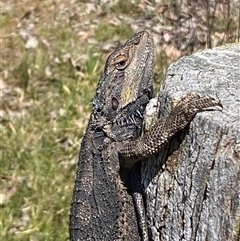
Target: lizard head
126,84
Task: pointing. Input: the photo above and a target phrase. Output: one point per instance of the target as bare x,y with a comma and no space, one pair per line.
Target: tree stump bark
192,187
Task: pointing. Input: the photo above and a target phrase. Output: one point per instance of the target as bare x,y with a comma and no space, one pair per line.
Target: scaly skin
153,140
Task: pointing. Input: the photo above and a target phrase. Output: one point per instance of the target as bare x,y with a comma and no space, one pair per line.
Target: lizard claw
207,103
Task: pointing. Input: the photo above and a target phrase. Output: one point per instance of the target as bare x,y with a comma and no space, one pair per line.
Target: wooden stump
192,188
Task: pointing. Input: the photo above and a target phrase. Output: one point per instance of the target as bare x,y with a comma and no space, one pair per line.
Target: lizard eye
121,62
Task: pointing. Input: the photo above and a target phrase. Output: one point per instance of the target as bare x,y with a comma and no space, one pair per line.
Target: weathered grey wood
194,192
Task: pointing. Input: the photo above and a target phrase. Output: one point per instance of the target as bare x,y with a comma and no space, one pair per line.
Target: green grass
45,118
36,154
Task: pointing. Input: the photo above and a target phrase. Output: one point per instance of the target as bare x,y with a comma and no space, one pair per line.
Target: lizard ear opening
115,103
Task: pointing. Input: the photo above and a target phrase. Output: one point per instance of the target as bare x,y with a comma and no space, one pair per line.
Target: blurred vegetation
46,93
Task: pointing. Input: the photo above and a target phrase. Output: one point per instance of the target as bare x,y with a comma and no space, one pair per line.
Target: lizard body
101,203
103,199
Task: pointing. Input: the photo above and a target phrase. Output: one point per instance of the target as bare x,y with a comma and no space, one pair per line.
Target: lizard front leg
153,140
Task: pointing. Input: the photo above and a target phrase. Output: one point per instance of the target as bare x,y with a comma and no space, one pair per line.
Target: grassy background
46,93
